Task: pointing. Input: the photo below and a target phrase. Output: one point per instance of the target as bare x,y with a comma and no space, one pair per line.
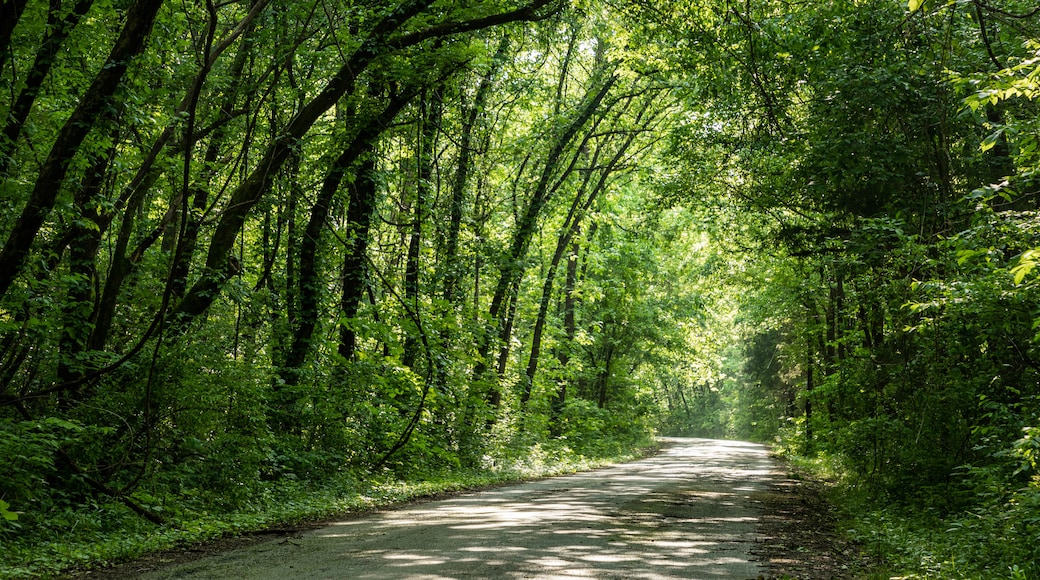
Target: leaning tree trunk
511,268
309,283
94,107
57,31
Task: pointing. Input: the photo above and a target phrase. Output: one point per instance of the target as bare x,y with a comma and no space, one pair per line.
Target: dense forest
254,250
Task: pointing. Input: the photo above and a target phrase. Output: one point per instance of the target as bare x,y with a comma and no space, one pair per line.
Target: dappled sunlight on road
685,513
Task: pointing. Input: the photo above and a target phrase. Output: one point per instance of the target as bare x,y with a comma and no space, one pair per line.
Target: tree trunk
511,269
570,329
429,123
603,380
355,270
95,106
309,283
463,168
10,14
79,308
57,32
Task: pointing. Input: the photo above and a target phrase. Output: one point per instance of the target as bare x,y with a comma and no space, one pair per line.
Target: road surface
684,513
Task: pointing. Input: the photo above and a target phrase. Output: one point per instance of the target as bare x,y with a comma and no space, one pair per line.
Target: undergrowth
995,536
108,533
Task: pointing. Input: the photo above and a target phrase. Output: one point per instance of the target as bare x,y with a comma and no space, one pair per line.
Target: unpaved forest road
685,513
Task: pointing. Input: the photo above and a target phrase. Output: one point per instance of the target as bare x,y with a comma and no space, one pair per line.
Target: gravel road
685,513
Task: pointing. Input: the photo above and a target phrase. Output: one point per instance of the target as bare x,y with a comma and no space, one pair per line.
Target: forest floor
799,536
698,509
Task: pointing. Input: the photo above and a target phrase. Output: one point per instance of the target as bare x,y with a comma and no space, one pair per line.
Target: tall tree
511,268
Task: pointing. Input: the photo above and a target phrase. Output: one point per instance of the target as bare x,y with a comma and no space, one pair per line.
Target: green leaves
914,5
1026,264
5,513
991,140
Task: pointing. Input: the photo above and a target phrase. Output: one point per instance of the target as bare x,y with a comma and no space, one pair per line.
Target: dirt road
685,513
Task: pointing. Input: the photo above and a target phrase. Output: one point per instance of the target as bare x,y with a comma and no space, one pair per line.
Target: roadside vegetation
891,341
260,261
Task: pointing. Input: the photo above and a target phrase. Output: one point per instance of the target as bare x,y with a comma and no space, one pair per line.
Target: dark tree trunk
57,32
355,270
10,14
95,105
122,265
309,284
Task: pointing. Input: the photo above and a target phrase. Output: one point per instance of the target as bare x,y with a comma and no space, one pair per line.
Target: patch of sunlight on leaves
823,466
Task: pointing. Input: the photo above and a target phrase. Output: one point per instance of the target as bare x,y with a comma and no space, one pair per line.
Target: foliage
889,326
251,251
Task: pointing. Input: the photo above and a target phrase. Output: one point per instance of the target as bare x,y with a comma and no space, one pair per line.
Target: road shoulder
799,535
